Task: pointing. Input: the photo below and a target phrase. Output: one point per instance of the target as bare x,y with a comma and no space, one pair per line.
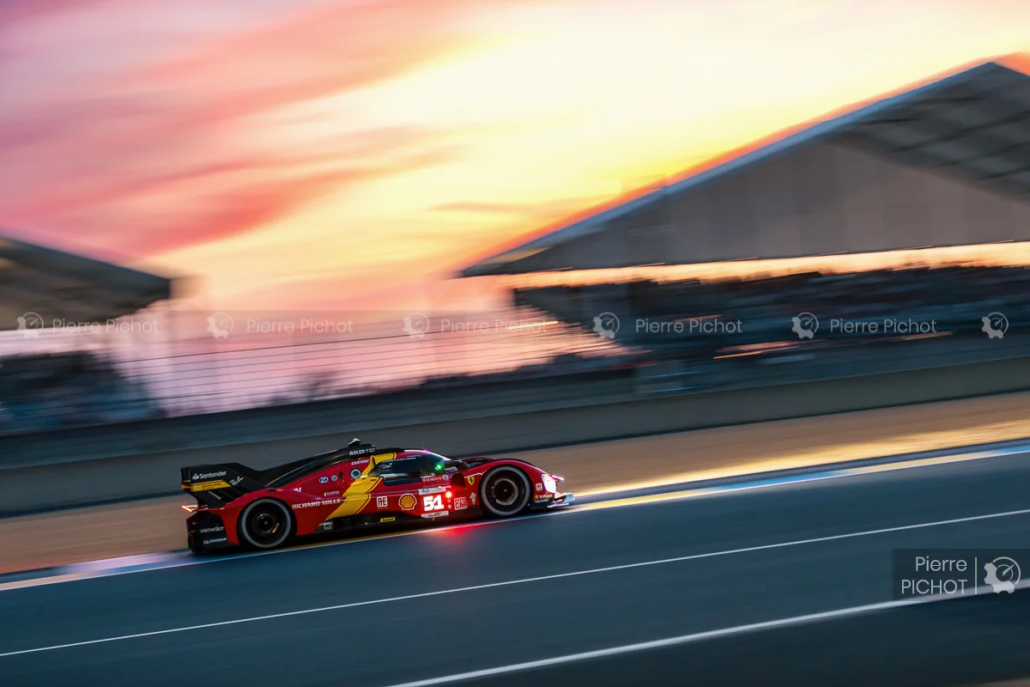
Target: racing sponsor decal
362,451
435,478
209,530
236,480
355,473
364,461
389,518
382,502
209,475
472,498
208,486
336,477
541,497
324,526
539,486
439,514
407,501
330,493
216,540
431,490
461,503
312,504
323,480
433,503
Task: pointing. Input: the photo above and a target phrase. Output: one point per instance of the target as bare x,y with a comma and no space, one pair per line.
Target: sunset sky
345,153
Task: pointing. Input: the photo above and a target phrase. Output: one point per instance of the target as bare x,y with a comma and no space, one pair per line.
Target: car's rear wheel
505,491
266,524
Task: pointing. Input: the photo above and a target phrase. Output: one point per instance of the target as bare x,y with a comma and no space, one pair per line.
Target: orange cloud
535,210
1018,61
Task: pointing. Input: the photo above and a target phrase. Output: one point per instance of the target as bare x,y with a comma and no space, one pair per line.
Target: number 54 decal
432,503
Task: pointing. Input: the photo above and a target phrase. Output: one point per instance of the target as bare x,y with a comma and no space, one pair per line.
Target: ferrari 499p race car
357,486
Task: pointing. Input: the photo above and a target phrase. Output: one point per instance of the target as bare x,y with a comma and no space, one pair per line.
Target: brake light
448,494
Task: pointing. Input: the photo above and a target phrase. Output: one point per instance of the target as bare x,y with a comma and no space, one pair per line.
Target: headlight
549,484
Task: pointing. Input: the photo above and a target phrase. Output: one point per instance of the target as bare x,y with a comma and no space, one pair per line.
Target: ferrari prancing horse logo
471,481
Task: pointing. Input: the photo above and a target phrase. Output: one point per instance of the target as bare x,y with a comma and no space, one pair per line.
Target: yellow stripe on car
208,486
358,494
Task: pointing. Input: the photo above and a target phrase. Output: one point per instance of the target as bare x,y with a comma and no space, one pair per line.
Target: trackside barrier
57,469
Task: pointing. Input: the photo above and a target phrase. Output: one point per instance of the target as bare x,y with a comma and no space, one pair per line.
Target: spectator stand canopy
944,164
55,285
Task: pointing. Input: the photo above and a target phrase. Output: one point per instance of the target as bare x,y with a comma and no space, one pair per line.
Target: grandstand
43,387
63,286
944,164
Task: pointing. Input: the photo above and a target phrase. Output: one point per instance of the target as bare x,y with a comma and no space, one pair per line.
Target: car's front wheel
505,491
266,524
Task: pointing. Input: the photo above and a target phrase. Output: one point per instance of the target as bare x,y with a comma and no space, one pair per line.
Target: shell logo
407,502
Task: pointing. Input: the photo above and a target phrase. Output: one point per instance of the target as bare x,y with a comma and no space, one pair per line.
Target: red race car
357,486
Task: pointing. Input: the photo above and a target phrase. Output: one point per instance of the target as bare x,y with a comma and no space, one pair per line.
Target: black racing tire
266,524
505,492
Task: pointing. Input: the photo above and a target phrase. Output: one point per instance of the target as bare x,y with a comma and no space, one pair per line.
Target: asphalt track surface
489,599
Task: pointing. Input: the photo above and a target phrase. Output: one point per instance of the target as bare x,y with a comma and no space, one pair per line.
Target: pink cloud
13,12
319,51
200,204
156,157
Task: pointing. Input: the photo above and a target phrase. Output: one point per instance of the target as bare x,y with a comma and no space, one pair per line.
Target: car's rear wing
216,485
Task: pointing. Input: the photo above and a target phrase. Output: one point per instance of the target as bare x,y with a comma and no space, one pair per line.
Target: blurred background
397,214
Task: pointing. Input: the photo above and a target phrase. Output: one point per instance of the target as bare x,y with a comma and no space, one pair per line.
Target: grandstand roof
973,126
70,287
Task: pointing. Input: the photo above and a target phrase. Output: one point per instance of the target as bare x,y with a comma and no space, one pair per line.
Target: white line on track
679,640
527,580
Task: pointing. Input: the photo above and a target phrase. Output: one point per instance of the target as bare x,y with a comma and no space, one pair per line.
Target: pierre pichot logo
416,325
995,325
30,324
606,325
220,325
805,325
1003,574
